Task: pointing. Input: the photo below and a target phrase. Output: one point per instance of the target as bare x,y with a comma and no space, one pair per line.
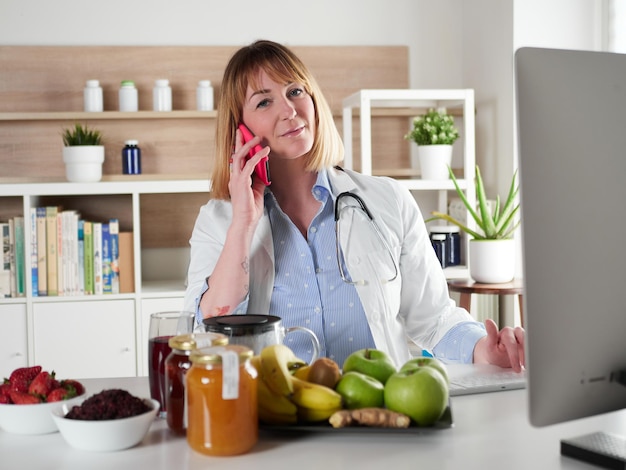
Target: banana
302,372
313,396
274,402
269,417
268,399
275,363
312,415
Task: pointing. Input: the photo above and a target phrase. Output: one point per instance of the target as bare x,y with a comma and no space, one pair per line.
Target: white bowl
105,435
32,419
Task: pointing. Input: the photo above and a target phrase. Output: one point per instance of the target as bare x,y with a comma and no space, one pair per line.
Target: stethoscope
363,208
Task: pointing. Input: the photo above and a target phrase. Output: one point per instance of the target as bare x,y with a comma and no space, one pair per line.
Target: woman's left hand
504,348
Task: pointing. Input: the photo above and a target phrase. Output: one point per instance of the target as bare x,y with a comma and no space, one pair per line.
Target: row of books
68,256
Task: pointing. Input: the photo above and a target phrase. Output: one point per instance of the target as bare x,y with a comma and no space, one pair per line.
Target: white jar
93,96
204,96
128,96
162,95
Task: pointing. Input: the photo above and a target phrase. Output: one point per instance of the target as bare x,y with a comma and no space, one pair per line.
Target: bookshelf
105,335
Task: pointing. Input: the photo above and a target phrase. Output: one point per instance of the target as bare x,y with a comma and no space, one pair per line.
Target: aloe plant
81,135
496,224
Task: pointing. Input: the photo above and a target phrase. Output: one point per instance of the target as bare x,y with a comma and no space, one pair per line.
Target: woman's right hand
246,198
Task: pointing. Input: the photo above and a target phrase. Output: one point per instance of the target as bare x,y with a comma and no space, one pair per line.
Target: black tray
445,422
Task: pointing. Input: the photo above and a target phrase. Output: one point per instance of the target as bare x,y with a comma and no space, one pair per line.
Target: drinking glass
164,325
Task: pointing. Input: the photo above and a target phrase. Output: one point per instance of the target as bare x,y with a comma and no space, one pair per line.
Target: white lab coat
415,306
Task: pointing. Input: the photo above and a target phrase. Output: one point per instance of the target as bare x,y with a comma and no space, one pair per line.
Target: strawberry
22,398
5,393
59,394
21,378
43,384
74,385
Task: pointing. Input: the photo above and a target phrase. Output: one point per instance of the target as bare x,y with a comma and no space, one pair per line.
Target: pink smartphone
262,169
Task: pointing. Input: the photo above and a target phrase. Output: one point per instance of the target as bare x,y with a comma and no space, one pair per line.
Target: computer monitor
571,118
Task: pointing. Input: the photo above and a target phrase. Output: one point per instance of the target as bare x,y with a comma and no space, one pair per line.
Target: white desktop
571,108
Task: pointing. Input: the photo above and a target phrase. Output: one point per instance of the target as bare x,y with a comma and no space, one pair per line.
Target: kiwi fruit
324,371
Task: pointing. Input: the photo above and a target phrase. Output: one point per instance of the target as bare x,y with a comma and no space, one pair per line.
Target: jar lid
132,142
128,83
213,355
191,341
204,83
444,229
93,83
162,82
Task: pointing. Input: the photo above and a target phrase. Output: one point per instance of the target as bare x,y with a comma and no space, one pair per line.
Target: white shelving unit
107,327
462,100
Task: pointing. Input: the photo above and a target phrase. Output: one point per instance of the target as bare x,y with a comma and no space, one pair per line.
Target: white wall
430,28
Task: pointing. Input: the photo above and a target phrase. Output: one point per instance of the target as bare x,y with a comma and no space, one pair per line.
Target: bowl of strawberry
28,396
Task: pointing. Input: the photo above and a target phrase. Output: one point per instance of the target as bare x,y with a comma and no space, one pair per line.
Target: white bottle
204,95
162,95
128,96
93,96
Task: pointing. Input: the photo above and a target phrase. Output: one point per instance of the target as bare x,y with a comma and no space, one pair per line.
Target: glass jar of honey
222,416
176,366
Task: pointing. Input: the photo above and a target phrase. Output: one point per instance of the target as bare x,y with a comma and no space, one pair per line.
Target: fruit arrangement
367,391
32,385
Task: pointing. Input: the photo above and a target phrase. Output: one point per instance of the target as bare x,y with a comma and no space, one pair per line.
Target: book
61,264
34,267
20,256
127,263
51,251
114,232
70,251
97,258
81,256
42,269
106,259
5,261
12,267
88,257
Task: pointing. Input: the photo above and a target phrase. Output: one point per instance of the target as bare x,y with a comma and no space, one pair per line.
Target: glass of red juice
164,325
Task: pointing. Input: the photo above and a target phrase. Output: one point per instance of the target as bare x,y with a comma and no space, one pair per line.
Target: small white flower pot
83,163
492,261
434,161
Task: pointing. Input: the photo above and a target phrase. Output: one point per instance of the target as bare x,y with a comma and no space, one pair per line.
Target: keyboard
484,379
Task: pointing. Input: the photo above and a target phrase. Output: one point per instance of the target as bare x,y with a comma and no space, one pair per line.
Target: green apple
360,391
418,362
419,392
372,362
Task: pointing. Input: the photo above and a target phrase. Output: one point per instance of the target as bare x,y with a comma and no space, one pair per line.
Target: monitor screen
571,117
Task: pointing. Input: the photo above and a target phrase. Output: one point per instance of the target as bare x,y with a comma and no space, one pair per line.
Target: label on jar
230,375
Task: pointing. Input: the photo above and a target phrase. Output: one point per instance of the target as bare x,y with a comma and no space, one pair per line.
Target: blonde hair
282,66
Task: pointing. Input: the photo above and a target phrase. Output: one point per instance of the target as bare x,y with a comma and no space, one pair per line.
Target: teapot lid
241,325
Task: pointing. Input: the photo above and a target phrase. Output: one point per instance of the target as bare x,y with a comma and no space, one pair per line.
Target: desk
467,287
490,431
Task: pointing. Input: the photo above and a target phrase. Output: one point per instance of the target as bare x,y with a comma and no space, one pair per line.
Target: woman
258,249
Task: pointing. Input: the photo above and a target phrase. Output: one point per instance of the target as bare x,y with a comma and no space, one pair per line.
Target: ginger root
377,417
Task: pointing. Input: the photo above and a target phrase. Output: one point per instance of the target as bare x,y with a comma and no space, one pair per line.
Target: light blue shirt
308,290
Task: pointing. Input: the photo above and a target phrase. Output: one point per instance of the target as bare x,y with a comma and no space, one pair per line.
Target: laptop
468,379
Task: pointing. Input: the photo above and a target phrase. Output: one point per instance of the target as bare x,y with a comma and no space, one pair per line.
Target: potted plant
434,133
83,154
492,249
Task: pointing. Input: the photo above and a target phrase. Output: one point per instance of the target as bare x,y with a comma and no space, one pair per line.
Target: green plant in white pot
492,249
434,133
83,154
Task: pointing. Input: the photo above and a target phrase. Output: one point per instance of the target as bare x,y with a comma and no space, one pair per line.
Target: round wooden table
467,287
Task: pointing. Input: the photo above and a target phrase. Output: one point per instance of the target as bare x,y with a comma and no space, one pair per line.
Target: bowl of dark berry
107,421
28,396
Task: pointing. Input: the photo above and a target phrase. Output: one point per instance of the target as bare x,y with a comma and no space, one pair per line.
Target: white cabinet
372,103
13,338
85,339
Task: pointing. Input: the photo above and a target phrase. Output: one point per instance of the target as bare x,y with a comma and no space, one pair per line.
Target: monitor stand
600,448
